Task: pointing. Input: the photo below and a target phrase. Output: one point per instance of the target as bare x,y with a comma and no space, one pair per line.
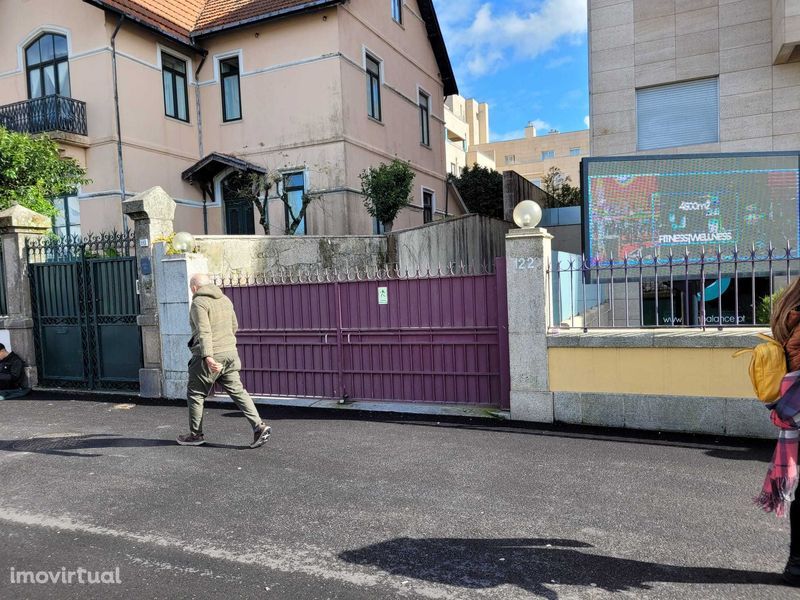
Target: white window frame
420,92
23,45
552,154
190,82
366,52
397,4
282,188
218,77
424,189
239,53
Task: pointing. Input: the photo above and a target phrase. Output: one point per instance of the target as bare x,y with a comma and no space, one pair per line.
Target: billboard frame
584,176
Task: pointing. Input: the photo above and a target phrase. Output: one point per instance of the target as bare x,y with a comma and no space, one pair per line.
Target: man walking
215,360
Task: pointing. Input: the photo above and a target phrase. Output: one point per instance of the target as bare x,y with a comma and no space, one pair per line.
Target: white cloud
586,121
541,126
555,63
482,40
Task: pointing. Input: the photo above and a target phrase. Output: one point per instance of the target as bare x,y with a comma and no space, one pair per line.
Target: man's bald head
199,280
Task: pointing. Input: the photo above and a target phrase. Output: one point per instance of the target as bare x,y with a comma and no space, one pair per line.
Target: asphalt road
353,506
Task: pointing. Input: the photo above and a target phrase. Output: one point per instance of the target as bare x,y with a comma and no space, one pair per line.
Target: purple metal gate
440,339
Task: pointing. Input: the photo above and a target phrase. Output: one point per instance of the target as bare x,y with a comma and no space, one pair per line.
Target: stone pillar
16,225
152,212
173,274
527,258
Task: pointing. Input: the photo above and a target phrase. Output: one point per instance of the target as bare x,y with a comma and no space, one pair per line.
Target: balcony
47,114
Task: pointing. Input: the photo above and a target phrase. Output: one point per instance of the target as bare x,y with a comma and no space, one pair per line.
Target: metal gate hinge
137,287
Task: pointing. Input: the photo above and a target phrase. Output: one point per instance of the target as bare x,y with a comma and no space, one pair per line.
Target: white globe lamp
183,242
527,214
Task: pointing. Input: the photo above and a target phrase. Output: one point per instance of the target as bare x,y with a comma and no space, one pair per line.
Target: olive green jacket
213,321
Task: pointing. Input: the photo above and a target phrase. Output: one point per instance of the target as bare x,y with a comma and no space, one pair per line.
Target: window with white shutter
678,114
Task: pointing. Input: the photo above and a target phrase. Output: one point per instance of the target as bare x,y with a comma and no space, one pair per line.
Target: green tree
387,189
482,190
33,173
560,187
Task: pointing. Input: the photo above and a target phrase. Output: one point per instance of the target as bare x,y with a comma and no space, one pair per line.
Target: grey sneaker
261,435
191,440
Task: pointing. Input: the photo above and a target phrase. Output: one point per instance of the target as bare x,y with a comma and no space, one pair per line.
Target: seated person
12,372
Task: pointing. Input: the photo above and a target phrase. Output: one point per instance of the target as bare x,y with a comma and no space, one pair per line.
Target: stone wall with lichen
239,255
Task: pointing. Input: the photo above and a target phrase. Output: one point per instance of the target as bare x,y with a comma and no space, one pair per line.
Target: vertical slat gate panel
439,339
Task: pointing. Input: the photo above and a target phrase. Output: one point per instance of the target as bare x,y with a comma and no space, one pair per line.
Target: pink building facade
183,93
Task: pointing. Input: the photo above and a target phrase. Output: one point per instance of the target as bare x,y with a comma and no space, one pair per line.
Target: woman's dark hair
789,299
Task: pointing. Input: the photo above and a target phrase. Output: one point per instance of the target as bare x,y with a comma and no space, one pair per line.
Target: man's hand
213,365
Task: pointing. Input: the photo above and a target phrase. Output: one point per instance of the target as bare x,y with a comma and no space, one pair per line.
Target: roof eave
185,42
311,6
436,38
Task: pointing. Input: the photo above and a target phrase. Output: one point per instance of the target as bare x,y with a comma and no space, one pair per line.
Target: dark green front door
239,217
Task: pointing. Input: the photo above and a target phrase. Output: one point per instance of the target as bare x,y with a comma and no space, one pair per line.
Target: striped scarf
782,476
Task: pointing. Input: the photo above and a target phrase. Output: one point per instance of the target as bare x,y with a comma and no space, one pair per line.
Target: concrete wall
472,240
785,29
658,380
227,255
640,43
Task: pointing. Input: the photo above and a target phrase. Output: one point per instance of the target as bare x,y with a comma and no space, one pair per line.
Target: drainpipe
119,127
205,212
200,136
446,195
199,112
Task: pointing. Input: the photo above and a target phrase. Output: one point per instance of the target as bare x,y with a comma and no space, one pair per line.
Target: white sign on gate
383,295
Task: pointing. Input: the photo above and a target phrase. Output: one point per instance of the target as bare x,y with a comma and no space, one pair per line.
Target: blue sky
526,58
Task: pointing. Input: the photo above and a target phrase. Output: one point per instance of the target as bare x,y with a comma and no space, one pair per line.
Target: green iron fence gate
85,303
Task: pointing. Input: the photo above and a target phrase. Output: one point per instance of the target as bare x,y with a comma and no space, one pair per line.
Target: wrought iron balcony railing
50,113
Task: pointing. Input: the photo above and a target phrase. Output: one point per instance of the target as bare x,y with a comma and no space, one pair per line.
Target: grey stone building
669,76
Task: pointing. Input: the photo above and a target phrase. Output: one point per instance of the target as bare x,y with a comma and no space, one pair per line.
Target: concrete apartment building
313,91
467,133
466,125
669,76
533,155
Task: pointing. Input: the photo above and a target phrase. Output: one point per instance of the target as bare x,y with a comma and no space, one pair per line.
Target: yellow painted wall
656,371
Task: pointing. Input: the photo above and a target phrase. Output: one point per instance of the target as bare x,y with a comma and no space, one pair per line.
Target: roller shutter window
678,114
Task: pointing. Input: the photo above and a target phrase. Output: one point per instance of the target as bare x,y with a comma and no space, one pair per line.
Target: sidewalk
347,505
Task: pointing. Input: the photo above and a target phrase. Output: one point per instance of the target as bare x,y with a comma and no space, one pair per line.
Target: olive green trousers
202,381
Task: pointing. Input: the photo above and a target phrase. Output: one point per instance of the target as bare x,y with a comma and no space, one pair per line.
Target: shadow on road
68,445
762,454
532,565
759,450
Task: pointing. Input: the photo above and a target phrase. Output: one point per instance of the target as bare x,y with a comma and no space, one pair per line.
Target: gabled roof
226,14
185,21
207,168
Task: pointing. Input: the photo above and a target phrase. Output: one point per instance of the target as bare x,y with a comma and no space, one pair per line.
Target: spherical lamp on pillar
183,242
527,214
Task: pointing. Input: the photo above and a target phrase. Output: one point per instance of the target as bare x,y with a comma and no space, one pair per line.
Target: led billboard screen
642,206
